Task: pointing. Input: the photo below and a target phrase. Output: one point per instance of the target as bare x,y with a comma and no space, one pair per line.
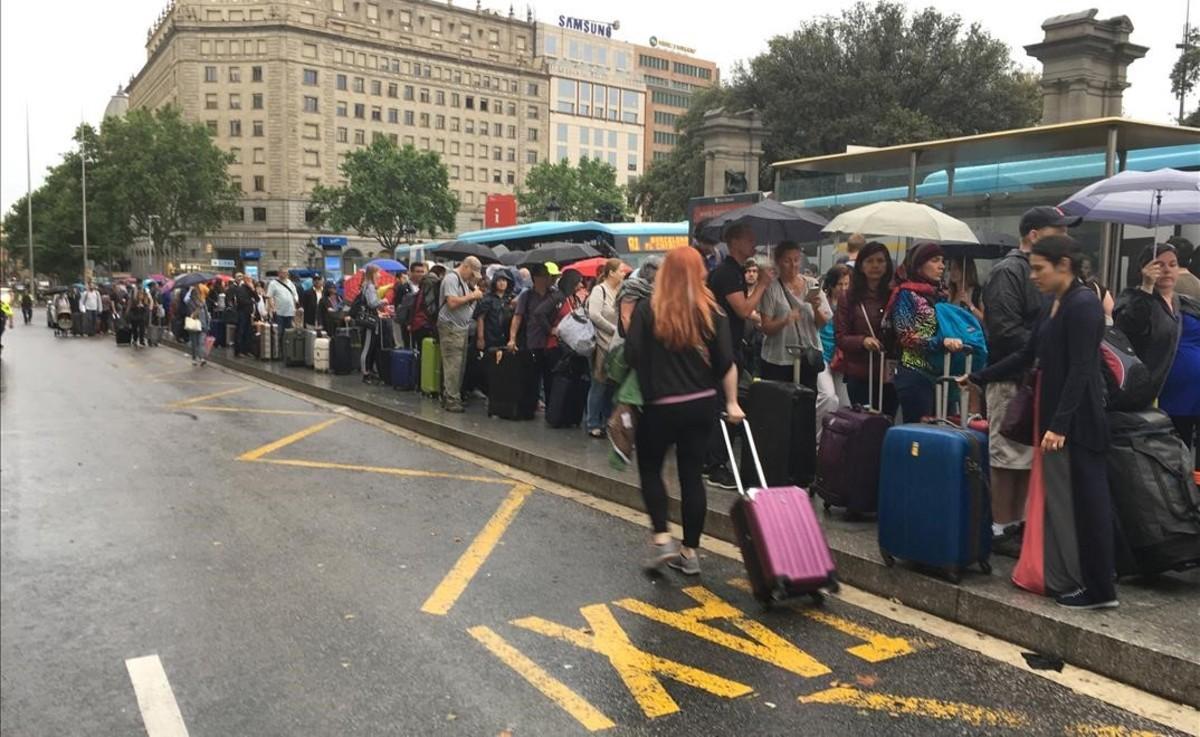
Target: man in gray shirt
458,298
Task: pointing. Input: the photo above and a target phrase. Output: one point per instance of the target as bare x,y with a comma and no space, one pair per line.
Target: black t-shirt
729,277
663,372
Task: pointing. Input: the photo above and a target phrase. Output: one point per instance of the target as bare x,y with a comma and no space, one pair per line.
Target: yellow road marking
589,716
978,716
763,643
206,397
455,582
877,648
271,447
1100,730
638,669
241,410
329,465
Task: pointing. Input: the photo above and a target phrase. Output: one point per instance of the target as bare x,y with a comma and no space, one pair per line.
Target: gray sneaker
660,554
685,565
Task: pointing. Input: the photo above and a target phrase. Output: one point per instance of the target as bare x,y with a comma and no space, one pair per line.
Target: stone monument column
1083,66
732,151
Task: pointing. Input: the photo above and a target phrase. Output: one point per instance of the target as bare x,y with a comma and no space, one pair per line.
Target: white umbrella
1145,198
903,219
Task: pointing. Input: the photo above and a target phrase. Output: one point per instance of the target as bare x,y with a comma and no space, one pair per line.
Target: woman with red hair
679,344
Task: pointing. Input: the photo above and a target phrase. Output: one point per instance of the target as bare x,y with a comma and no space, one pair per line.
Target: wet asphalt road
298,572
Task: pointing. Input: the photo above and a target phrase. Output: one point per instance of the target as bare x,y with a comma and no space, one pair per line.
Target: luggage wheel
818,598
954,575
834,585
986,567
888,559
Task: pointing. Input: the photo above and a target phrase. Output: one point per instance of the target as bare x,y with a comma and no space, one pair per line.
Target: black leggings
688,426
138,331
1093,522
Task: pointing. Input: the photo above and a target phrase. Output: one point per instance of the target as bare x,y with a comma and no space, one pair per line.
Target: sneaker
685,565
1081,599
722,478
1009,544
478,394
457,409
660,554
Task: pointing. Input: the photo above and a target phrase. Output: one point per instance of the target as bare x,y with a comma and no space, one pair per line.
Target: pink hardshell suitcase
782,543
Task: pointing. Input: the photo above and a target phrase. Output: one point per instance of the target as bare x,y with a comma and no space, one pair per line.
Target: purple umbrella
1145,198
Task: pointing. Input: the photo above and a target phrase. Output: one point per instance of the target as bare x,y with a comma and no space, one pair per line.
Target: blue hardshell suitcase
934,505
405,369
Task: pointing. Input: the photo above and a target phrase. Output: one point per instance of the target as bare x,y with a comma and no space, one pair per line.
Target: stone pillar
1083,66
732,151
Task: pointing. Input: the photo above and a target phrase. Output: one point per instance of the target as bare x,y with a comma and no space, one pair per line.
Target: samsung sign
588,26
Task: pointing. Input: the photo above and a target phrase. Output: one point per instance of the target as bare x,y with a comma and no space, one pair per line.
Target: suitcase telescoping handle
943,389
747,494
871,406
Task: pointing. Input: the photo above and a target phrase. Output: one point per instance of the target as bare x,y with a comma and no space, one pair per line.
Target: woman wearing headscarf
1164,328
914,320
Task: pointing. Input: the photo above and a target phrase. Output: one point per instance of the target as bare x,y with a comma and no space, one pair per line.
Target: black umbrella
991,245
459,250
192,278
560,253
772,221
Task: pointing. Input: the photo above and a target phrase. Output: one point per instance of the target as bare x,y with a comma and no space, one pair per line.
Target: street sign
223,263
251,254
332,241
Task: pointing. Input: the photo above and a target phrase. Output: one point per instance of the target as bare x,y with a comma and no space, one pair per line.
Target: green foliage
588,191
162,176
1186,72
1192,120
874,75
58,217
389,189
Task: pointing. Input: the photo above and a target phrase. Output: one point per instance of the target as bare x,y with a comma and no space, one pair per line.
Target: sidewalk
1152,641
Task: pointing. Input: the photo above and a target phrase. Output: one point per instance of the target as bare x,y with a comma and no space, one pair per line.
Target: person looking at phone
1164,328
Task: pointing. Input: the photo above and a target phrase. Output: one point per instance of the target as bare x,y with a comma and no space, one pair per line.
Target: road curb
1161,673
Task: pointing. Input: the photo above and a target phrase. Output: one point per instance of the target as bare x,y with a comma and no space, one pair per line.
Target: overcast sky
64,59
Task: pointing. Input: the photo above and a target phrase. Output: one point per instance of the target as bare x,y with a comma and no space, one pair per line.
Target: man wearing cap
1011,305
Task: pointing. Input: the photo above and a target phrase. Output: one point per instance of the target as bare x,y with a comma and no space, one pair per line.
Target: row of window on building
631,160
597,137
420,70
690,70
654,81
591,100
455,30
582,51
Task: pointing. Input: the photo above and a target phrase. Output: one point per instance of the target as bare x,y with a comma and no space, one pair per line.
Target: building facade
597,98
671,74
290,87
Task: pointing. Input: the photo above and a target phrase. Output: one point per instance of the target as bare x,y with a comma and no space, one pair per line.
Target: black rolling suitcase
786,415
568,392
512,379
293,347
1154,496
341,351
124,334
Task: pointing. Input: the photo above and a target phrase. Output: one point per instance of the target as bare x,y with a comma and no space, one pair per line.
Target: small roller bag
782,544
230,334
404,369
293,347
568,393
431,367
124,334
851,448
934,506
512,380
310,345
341,353
217,331
1154,494
321,354
385,366
265,340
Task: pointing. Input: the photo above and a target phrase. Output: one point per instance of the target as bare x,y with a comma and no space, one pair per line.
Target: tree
58,217
662,193
588,191
162,177
389,190
872,76
1192,120
1186,72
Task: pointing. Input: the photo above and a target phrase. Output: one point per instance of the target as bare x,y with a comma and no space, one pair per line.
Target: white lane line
160,713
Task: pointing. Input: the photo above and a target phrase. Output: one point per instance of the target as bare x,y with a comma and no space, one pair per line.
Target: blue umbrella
389,264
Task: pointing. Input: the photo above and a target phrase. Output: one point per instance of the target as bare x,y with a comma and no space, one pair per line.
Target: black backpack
431,297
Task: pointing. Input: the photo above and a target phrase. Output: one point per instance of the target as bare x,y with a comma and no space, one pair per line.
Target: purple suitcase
782,543
851,449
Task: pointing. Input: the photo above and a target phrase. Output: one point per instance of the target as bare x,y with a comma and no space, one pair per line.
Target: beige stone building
671,74
597,99
290,86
